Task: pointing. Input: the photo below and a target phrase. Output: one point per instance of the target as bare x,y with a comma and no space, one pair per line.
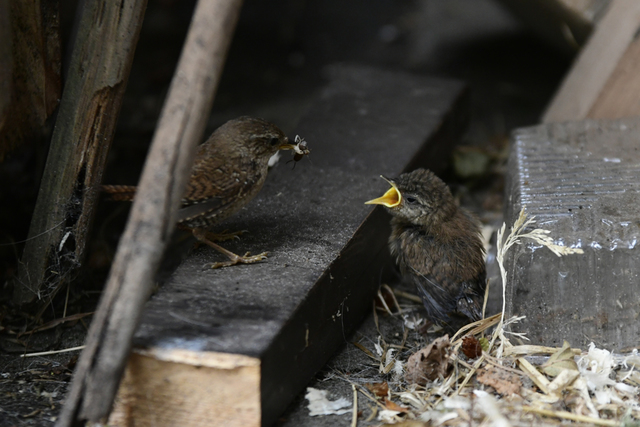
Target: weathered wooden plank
580,180
84,129
6,67
620,96
600,73
227,383
30,62
566,24
328,252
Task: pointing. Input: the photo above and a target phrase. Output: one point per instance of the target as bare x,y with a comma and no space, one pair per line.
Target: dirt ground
274,68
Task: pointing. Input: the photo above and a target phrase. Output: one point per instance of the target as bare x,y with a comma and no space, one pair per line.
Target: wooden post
153,213
603,83
30,60
566,24
92,97
620,96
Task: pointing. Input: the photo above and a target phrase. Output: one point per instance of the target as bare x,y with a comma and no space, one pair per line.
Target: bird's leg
225,235
201,235
214,237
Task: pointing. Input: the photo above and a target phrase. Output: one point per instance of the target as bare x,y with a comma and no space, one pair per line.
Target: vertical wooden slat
599,60
85,125
620,96
30,59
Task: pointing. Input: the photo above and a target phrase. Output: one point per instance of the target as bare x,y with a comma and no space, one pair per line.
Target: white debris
596,368
378,347
319,404
398,370
414,323
489,405
390,417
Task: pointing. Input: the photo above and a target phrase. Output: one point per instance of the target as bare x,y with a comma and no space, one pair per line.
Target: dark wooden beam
238,344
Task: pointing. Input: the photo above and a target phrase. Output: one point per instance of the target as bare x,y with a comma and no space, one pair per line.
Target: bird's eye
274,141
411,200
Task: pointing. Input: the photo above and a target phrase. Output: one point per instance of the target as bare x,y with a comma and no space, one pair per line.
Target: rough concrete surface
580,180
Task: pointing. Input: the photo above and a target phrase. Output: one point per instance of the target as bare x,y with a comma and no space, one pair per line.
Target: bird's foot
202,236
237,259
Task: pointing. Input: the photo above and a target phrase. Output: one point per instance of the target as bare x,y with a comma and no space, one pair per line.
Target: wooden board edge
595,64
305,342
621,93
167,387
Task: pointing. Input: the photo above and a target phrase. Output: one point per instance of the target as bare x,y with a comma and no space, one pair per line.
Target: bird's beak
300,147
287,146
390,199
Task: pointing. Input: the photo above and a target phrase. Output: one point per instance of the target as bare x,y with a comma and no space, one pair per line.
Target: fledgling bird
229,169
437,246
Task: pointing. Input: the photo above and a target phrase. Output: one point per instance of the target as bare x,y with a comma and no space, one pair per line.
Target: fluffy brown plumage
437,247
229,169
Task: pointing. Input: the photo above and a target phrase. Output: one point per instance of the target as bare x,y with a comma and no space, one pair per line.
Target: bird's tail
471,299
471,306
119,192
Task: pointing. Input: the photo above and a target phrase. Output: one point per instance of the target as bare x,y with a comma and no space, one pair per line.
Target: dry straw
506,385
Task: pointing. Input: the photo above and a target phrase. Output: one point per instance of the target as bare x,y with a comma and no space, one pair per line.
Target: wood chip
503,381
392,406
378,389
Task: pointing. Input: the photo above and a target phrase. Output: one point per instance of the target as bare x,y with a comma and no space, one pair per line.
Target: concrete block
581,181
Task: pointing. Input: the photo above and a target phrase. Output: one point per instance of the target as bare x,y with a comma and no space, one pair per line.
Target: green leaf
559,361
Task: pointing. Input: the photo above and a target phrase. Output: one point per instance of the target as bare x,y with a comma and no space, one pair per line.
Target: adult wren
437,246
229,169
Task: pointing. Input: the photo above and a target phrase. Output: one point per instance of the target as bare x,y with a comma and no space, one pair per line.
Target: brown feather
119,192
229,169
